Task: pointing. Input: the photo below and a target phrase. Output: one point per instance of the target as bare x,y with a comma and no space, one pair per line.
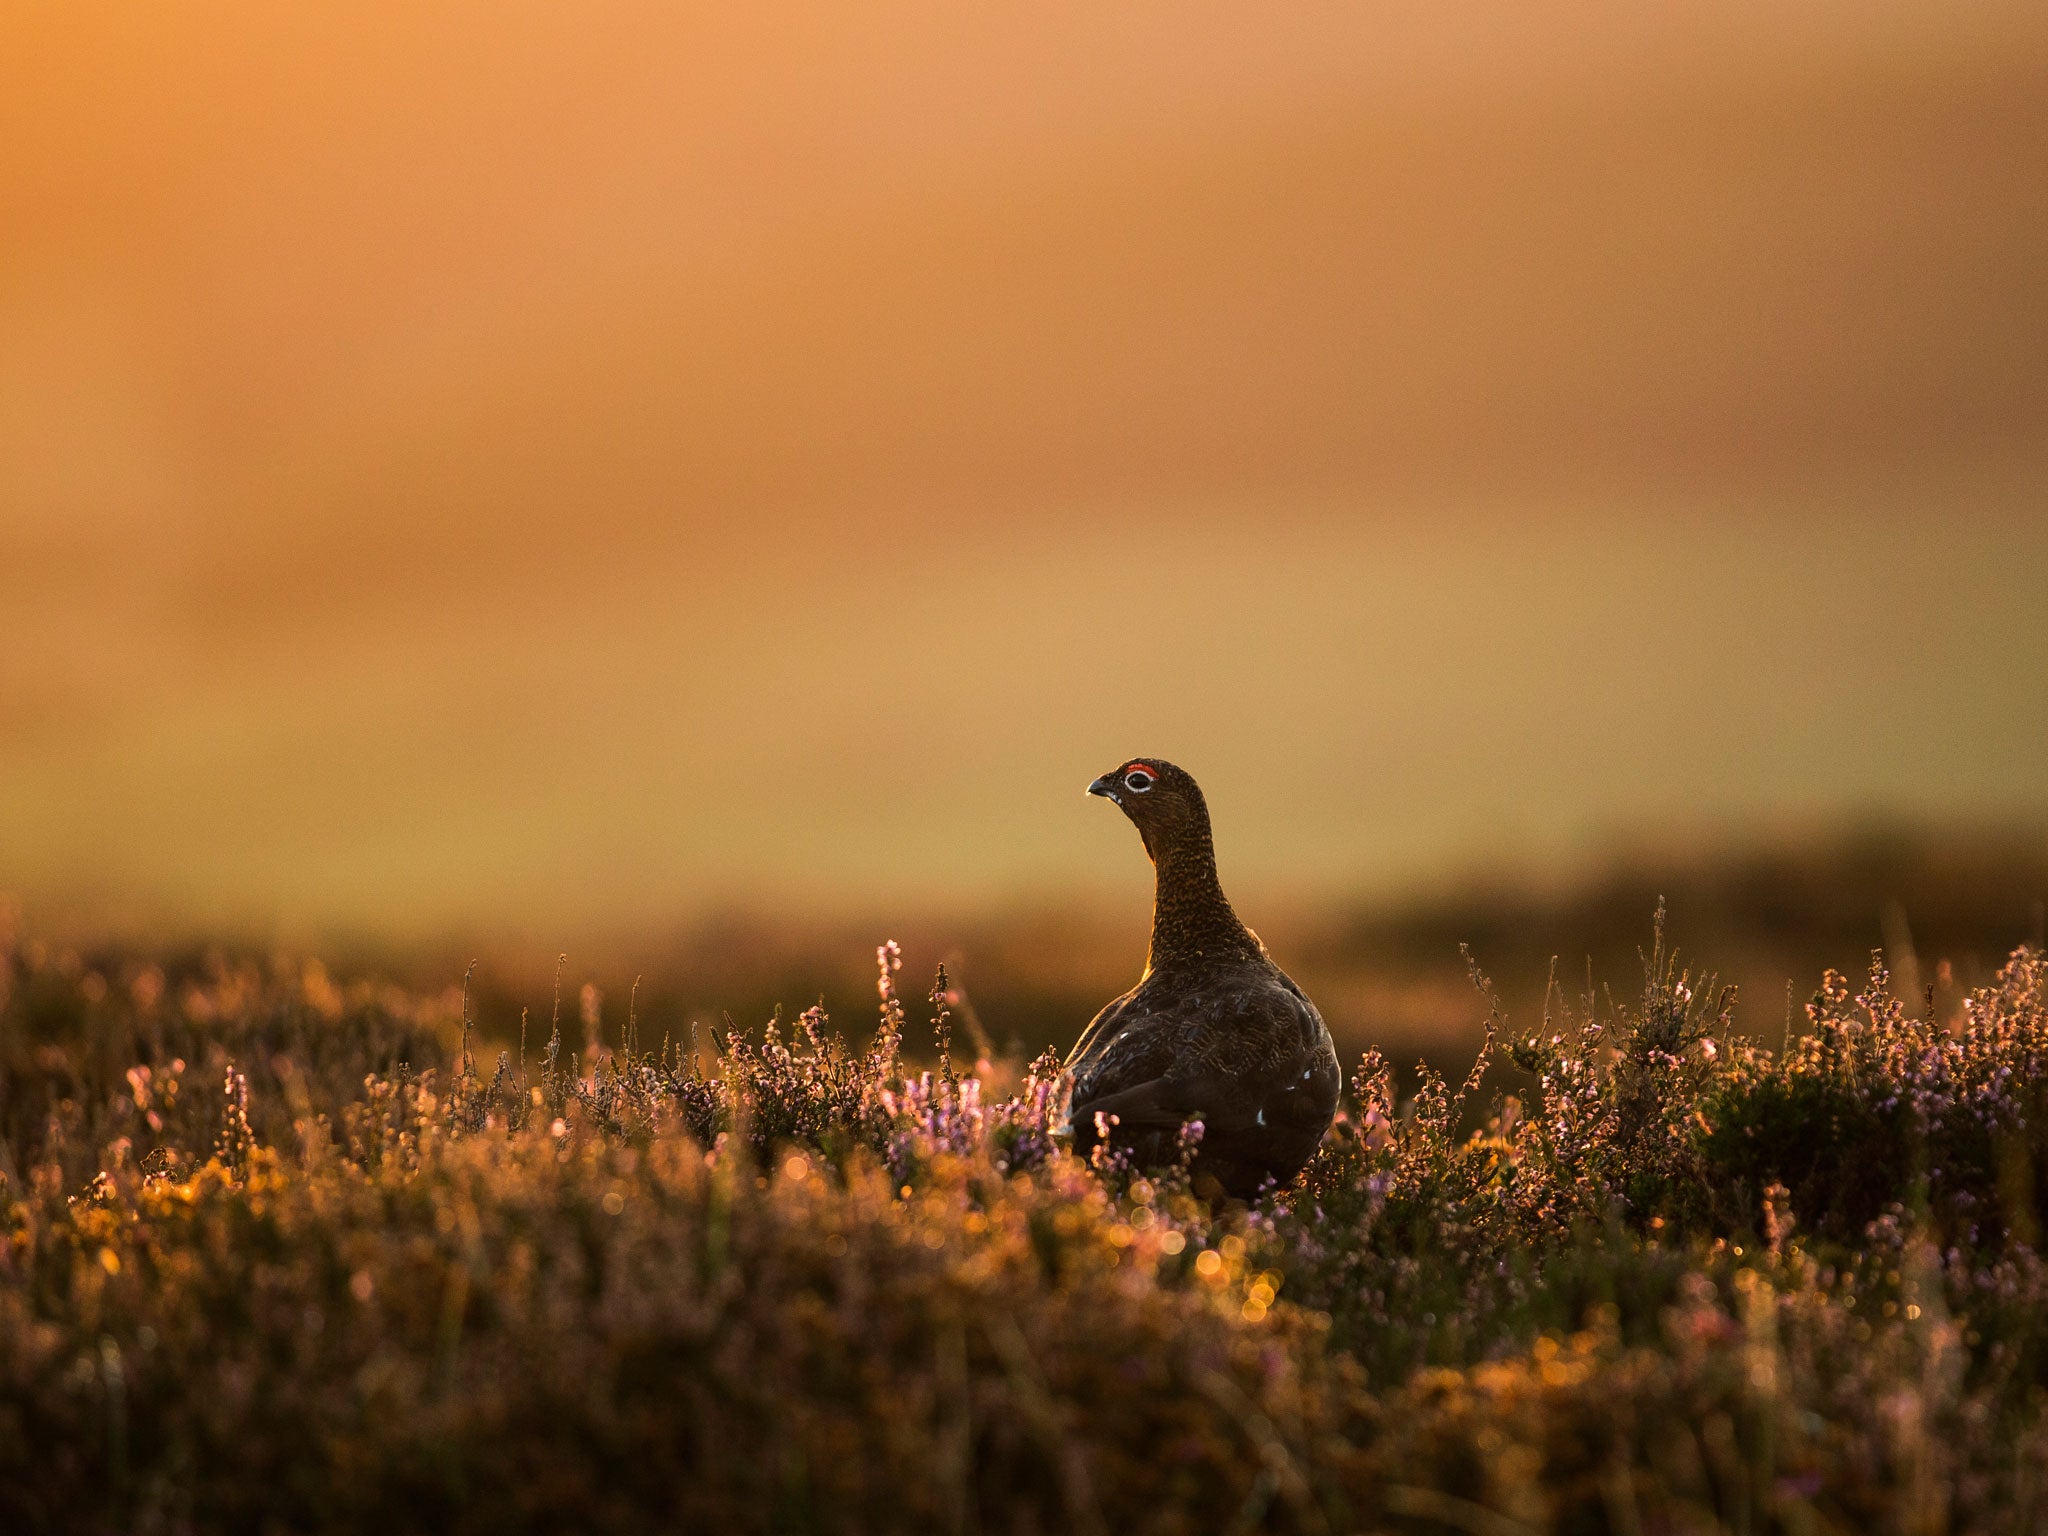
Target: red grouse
1214,1031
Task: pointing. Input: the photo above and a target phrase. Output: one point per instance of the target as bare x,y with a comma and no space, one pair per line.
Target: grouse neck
1191,919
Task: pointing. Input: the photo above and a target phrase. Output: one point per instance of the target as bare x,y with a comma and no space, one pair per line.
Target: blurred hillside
1947,906
1946,909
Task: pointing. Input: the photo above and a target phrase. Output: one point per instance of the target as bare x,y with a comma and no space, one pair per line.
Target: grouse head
1163,801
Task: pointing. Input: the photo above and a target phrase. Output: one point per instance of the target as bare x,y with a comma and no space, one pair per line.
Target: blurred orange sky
566,466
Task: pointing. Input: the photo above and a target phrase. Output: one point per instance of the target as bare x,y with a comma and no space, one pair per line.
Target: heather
281,1253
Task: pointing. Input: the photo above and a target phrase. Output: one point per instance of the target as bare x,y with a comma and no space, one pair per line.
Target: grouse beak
1104,786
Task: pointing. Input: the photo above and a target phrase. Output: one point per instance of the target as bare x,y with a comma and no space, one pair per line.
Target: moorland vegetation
282,1254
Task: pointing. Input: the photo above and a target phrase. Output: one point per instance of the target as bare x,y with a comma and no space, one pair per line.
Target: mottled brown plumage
1214,1031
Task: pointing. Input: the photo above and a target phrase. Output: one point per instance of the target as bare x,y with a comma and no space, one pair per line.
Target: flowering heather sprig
1105,1157
1024,1130
236,1139
884,1054
933,1117
942,1024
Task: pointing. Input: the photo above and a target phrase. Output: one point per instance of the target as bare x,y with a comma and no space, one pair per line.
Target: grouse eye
1137,781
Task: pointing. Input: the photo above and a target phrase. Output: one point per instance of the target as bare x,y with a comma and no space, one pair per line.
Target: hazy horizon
597,471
